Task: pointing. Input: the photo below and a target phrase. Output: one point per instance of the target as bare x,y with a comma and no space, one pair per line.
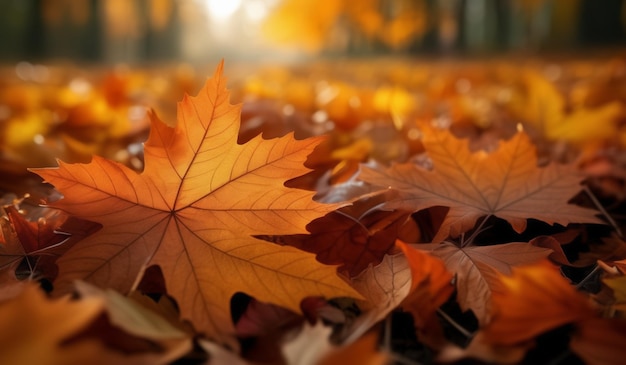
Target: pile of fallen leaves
407,214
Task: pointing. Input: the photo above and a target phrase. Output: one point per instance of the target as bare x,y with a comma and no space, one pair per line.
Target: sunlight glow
222,9
256,10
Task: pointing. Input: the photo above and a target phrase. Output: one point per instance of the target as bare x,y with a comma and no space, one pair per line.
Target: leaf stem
588,277
476,232
387,334
559,359
606,214
355,220
455,324
399,359
386,345
31,268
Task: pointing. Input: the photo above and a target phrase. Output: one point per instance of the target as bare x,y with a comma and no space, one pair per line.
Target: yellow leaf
618,284
545,108
33,328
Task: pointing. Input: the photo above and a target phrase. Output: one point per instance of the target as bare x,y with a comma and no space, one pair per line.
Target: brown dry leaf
557,255
384,287
38,235
555,243
341,238
139,321
193,212
11,250
261,319
37,330
478,269
164,306
264,327
611,249
534,299
39,242
505,183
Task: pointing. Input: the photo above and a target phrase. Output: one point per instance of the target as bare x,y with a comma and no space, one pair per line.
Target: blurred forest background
141,31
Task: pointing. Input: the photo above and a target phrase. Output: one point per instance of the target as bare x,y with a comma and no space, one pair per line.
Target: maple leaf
477,269
40,243
505,183
193,211
384,287
35,235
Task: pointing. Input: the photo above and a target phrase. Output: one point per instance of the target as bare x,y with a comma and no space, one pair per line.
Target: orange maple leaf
505,183
535,299
431,286
193,212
